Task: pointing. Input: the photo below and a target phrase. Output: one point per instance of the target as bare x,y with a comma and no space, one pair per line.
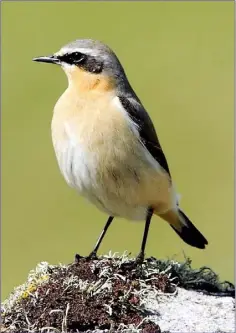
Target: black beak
52,59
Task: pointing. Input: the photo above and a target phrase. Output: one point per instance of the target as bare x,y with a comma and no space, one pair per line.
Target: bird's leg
140,257
93,254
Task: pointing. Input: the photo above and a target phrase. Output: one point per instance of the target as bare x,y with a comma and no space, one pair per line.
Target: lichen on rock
108,293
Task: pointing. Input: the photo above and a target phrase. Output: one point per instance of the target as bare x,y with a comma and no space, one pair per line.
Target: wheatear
106,145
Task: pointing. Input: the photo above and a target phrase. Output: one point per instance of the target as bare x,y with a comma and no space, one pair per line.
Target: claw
78,257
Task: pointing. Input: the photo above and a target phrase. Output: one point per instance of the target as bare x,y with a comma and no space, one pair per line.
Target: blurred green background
179,59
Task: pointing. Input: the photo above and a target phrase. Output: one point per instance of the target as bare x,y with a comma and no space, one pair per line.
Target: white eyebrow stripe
65,50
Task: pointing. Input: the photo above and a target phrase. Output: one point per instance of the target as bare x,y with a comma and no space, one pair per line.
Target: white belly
107,164
111,193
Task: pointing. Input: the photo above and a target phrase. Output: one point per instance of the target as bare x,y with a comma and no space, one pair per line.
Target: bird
106,144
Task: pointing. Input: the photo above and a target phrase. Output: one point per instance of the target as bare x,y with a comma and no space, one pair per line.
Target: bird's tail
184,228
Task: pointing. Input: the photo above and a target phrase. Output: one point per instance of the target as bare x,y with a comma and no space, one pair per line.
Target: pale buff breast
99,154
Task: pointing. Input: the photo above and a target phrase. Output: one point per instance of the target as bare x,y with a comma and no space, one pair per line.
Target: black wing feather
146,130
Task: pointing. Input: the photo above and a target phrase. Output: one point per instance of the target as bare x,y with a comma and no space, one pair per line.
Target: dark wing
146,129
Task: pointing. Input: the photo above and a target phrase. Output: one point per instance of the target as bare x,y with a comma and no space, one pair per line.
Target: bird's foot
92,256
140,258
78,257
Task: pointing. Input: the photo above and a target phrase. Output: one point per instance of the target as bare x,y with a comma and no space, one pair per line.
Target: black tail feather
189,233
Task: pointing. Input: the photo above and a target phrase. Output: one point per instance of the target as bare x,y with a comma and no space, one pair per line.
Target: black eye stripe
87,62
73,58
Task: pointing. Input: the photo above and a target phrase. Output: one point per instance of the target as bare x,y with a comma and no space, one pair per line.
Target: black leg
145,234
93,254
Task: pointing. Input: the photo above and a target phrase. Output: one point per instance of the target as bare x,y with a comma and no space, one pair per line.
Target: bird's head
88,63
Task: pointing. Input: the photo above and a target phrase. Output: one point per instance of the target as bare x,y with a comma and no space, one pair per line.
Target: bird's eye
77,57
